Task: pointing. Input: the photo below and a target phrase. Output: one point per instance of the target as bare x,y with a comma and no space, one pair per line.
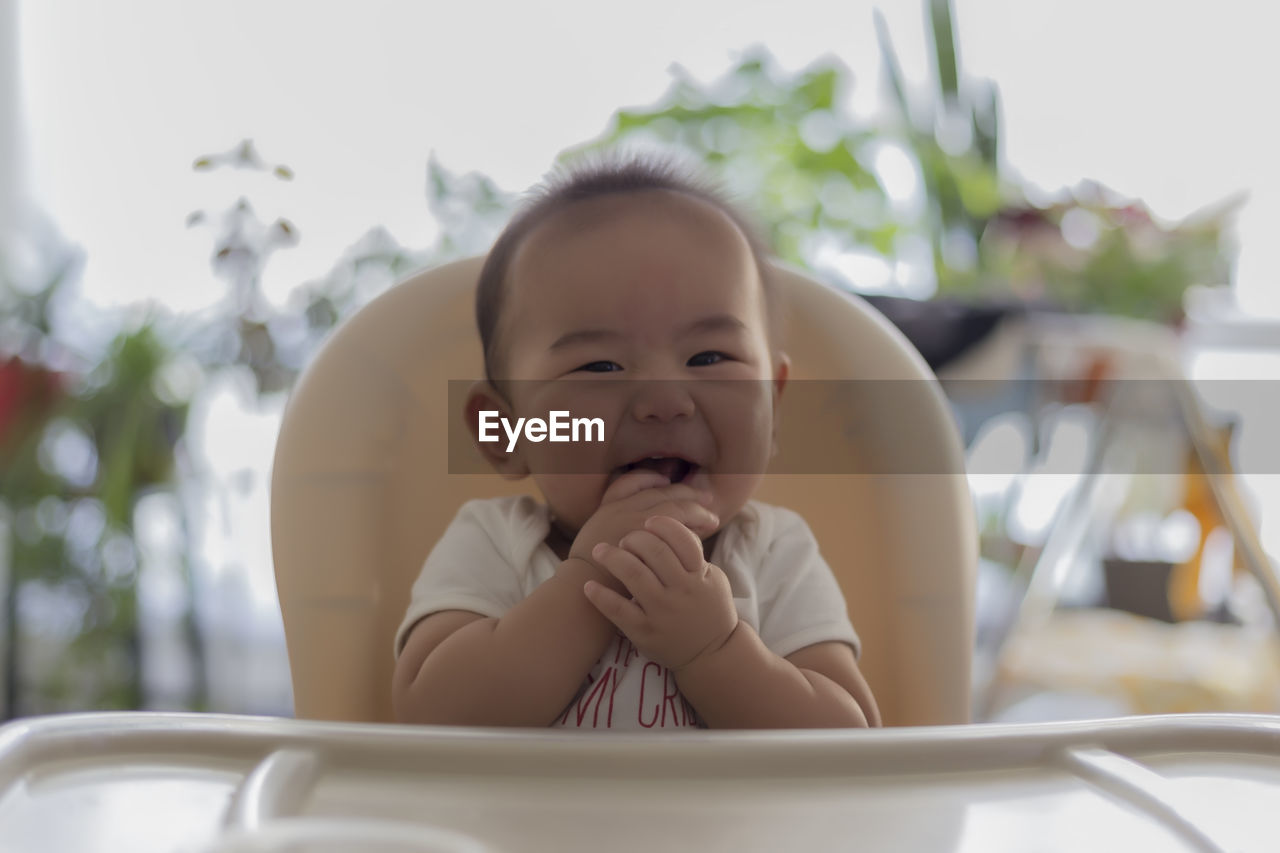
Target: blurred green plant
1097,252
87,433
83,437
954,138
275,343
786,144
1090,251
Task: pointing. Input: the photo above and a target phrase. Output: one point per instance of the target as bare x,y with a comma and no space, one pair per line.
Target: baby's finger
625,615
664,493
695,516
683,542
680,491
656,555
630,570
633,482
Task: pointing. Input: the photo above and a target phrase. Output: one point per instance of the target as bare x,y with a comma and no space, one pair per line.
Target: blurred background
1069,207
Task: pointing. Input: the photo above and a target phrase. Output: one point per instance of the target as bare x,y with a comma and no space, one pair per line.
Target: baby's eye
600,367
706,359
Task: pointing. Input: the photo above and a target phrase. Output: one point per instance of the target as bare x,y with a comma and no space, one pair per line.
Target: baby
650,591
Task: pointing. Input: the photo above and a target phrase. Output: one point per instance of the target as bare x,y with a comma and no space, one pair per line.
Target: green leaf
882,238
817,90
986,126
892,70
944,48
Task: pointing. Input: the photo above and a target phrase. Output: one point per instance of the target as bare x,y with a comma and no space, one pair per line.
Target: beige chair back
361,490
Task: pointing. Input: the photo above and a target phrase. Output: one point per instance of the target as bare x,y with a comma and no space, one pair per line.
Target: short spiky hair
595,179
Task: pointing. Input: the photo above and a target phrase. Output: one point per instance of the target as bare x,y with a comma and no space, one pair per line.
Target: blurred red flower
28,393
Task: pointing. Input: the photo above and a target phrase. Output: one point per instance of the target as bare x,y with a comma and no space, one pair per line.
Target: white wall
10,156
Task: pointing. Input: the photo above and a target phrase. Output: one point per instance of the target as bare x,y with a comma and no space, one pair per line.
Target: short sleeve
800,599
470,568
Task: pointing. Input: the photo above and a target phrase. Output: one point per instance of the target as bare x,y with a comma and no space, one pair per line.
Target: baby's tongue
668,467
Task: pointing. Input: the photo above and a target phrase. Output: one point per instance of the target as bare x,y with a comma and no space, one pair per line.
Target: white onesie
494,554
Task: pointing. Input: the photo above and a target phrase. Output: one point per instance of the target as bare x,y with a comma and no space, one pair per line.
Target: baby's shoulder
517,507
765,523
763,535
504,518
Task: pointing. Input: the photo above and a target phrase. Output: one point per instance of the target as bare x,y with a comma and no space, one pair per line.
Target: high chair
362,488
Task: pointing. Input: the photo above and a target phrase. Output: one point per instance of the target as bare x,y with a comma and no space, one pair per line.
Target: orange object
1198,499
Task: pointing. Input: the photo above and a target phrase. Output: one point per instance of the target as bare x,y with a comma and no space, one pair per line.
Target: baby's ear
485,401
781,370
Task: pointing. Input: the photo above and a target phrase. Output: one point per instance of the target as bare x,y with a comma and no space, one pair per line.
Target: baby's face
628,308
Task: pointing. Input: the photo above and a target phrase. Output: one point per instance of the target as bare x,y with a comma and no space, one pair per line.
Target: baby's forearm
520,670
744,685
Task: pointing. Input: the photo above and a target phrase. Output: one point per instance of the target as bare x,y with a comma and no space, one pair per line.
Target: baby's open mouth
675,469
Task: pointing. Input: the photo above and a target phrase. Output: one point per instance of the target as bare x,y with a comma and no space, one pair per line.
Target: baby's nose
661,400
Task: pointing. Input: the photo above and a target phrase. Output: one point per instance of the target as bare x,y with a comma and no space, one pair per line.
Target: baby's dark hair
596,179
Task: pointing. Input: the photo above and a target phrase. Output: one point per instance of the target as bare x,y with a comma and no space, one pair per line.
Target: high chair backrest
362,489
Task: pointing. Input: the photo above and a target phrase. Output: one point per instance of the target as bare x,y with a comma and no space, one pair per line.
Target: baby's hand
634,497
681,606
